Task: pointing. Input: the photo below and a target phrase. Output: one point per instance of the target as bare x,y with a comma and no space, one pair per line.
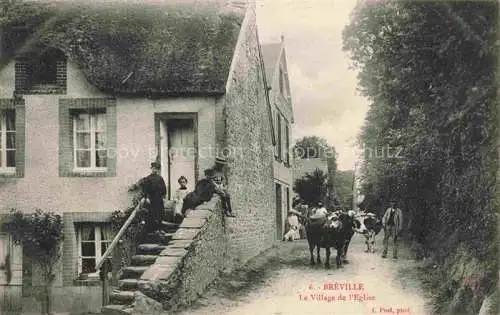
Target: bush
40,233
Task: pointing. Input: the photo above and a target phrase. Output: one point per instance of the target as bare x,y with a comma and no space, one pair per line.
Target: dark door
279,212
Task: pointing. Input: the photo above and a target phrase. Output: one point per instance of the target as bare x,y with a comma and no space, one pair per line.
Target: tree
343,187
314,147
312,187
40,234
428,70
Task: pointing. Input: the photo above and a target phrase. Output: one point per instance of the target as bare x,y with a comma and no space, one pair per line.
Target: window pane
100,140
88,233
11,158
83,158
106,233
11,140
83,140
11,120
88,249
104,246
88,265
82,121
100,158
100,122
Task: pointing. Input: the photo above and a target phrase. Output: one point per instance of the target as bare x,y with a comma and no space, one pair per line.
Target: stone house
81,120
274,56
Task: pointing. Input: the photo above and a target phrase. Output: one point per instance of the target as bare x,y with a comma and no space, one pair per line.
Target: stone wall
192,260
249,150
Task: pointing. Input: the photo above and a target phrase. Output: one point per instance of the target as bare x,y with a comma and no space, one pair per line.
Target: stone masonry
248,139
191,261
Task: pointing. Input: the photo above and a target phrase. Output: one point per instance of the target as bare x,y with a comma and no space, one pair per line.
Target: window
278,128
87,137
93,241
43,74
282,82
89,140
287,143
8,141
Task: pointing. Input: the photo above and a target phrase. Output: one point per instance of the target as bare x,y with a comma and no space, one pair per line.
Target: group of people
392,222
154,190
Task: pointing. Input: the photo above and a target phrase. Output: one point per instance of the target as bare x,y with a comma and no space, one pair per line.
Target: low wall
193,260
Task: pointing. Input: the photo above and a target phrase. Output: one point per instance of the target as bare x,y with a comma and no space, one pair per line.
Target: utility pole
354,188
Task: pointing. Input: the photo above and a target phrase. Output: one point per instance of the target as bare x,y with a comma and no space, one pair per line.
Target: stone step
133,272
122,297
161,239
143,260
150,249
169,225
117,309
127,284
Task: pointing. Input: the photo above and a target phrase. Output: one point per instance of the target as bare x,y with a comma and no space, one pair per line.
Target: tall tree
312,188
428,70
311,147
343,187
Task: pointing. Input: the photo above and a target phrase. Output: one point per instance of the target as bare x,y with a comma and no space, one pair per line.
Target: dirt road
376,287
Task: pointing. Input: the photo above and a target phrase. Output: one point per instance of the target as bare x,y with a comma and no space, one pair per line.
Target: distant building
275,63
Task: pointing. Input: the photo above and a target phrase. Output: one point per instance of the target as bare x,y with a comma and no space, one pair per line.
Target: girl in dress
181,192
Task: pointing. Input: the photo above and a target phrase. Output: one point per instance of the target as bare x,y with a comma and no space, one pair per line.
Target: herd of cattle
336,231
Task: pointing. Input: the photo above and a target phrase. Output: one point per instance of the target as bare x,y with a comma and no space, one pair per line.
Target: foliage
311,147
428,69
133,235
312,188
40,233
343,188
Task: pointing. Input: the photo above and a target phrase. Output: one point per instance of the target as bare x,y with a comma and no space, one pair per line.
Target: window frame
4,169
97,226
18,106
279,138
25,70
66,136
287,143
93,150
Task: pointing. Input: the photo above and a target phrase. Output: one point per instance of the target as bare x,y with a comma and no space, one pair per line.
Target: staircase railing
104,267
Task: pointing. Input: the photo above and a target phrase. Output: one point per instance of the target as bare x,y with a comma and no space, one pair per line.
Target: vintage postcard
275,157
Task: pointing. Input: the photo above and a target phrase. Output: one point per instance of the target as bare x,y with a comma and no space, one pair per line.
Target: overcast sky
323,88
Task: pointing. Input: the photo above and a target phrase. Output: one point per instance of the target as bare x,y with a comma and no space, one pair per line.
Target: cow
352,220
369,226
333,231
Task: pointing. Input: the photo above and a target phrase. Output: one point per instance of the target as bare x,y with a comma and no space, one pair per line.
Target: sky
323,88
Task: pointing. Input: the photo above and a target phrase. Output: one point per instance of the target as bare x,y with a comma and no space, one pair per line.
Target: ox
369,226
334,231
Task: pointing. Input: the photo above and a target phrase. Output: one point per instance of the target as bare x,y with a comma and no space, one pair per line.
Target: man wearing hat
154,188
392,221
204,190
220,180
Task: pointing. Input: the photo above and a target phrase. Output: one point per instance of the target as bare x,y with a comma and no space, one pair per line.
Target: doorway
279,212
178,147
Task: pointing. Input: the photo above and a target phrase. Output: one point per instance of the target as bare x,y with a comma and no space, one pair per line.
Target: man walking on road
393,223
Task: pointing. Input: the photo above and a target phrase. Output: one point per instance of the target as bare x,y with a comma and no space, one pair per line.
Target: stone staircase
122,299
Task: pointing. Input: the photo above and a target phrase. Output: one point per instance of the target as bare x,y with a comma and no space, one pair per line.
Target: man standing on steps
392,222
154,189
